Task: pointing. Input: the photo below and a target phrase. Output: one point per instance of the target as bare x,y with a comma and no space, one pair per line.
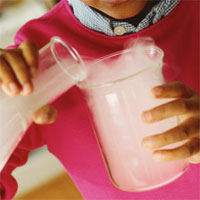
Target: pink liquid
116,112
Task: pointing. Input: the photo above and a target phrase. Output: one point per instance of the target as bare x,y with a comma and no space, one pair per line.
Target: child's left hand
186,107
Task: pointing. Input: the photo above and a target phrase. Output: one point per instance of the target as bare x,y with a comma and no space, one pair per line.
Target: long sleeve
33,139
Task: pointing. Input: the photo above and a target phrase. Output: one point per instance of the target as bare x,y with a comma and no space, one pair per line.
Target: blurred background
43,177
14,13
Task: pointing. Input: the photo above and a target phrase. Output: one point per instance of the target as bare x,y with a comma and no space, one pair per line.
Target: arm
33,139
18,66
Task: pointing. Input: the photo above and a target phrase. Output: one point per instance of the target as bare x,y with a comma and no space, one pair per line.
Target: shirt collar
101,23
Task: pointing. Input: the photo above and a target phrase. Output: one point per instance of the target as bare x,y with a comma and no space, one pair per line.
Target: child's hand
17,68
186,106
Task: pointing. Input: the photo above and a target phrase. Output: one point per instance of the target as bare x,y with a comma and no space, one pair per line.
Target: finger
173,90
7,79
30,54
20,70
173,108
45,115
186,130
185,151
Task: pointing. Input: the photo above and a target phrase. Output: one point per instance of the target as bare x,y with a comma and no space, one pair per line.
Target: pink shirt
71,138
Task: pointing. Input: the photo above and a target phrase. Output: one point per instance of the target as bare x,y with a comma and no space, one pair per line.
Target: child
97,28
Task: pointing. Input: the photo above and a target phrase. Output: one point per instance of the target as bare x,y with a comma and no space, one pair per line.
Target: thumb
45,115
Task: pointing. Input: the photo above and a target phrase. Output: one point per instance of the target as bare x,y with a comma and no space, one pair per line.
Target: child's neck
122,10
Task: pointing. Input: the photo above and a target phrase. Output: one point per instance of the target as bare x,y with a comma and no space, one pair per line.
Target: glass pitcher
117,91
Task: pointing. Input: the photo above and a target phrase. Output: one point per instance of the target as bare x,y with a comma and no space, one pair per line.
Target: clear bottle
61,67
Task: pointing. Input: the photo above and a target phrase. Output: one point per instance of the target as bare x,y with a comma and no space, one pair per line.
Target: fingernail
27,89
46,117
42,119
13,87
147,143
157,157
147,116
157,91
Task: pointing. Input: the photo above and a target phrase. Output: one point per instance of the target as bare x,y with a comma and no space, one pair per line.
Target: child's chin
114,2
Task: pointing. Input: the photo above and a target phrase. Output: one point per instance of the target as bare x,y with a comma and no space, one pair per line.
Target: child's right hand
17,68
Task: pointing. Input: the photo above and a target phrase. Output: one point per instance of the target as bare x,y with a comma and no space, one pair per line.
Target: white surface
40,168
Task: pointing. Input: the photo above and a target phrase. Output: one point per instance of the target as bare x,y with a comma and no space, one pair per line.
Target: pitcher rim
109,83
